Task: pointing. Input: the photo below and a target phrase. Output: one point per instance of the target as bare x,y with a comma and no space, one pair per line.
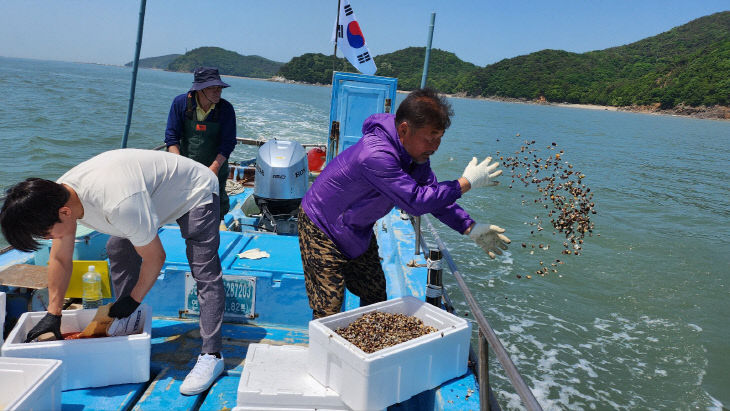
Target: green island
685,70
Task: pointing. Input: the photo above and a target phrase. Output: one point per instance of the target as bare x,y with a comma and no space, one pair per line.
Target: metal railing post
424,76
483,372
417,227
434,289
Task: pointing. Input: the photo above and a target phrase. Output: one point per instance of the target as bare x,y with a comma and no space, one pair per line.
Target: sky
480,32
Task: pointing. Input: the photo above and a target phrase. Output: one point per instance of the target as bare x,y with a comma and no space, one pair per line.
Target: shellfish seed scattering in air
561,194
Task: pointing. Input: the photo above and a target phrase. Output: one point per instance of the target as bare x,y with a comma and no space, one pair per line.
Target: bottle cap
92,268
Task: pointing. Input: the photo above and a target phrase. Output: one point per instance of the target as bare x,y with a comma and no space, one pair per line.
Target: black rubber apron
200,141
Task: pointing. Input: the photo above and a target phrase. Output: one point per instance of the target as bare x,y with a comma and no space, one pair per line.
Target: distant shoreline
701,112
705,113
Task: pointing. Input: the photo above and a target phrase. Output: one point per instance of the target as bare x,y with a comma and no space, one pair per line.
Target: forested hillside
315,68
161,62
687,65
446,72
228,62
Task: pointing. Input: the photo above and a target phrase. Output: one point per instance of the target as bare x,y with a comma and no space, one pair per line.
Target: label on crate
240,296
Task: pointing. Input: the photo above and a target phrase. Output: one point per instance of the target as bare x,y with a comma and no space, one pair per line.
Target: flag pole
337,34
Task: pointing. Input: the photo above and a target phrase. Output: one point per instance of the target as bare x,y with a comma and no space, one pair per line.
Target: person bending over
147,190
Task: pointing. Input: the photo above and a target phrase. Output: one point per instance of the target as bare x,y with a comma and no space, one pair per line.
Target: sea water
638,320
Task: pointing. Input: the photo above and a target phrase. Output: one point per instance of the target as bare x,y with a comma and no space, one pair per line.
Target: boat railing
487,337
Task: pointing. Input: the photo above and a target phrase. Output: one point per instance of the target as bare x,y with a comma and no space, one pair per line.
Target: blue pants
200,229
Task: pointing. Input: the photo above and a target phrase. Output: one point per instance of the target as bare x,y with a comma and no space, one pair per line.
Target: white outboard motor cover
281,171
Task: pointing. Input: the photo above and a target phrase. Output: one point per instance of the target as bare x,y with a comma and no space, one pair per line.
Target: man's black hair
422,107
30,211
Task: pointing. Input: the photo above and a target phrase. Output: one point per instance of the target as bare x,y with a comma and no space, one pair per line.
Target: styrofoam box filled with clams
394,374
90,362
30,384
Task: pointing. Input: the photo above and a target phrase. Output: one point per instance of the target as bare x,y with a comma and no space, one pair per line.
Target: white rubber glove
480,175
489,238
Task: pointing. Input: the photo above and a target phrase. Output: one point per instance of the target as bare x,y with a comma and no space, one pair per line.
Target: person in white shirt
128,194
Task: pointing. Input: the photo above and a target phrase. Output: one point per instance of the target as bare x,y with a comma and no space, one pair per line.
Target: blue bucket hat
206,77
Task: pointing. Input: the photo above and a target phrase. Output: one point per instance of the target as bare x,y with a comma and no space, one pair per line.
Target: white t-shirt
130,193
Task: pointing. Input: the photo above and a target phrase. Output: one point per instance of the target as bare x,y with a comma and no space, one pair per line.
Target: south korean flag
351,41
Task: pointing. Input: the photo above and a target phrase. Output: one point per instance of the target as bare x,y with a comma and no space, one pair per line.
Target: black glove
123,307
49,324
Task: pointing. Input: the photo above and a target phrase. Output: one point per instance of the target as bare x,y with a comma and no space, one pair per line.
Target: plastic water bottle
91,288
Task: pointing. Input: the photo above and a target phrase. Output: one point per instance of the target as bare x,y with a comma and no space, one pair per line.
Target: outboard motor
281,181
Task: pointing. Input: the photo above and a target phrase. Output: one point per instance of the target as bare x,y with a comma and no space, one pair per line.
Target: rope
234,187
433,264
434,291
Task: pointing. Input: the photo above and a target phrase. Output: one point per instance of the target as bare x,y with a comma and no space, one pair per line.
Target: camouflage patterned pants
327,271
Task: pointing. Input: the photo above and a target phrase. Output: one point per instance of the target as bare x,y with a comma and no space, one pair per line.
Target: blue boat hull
280,316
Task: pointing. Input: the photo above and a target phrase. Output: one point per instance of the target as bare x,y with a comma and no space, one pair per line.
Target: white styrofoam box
393,374
30,384
90,362
275,378
2,316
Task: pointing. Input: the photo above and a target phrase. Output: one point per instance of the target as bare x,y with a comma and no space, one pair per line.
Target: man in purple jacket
389,166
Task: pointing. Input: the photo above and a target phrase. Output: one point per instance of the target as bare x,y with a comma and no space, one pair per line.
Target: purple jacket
364,182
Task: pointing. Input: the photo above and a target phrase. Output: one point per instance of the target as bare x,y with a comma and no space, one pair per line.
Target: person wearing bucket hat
202,126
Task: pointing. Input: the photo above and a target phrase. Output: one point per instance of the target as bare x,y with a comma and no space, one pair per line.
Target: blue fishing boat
266,302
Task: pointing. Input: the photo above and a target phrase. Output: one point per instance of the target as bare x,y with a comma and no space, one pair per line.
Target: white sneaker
202,376
134,324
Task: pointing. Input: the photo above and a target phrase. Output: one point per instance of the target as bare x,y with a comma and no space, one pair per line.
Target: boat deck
266,303
175,345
